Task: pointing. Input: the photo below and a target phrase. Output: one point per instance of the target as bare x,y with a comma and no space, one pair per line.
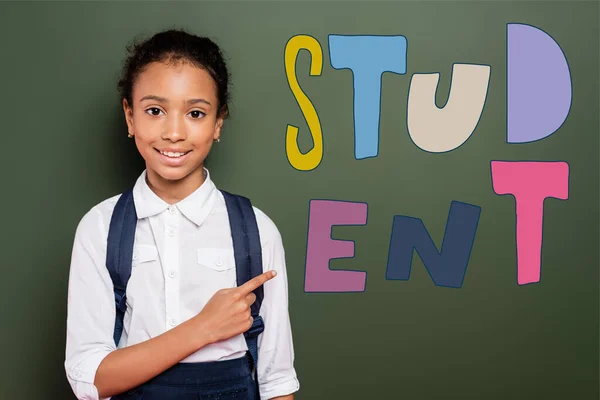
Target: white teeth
170,154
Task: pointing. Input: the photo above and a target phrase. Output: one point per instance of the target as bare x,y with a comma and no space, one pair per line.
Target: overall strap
248,259
119,251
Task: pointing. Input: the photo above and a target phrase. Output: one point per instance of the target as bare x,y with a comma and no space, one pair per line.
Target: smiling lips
172,156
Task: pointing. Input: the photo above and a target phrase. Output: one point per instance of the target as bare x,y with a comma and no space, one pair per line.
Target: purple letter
321,248
538,84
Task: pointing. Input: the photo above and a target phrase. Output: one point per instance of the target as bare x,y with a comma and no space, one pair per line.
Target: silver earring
218,140
130,136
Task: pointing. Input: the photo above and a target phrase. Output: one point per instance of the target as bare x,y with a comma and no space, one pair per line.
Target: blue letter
447,267
368,57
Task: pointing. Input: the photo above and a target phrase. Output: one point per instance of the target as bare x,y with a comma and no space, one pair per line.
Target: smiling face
174,119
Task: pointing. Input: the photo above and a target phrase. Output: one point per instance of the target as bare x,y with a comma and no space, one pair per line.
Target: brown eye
153,109
196,114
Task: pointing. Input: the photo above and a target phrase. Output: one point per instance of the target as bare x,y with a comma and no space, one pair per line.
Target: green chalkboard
65,149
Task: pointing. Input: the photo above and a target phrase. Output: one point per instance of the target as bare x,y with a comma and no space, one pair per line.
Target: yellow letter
312,159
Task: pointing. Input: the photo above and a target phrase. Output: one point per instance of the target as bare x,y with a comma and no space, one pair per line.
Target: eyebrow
163,100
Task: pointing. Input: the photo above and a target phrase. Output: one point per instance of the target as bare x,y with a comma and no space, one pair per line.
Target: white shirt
182,255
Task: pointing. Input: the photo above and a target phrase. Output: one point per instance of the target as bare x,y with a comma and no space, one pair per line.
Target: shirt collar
195,207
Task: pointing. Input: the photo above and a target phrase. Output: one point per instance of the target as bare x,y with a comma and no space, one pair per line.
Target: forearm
126,368
288,397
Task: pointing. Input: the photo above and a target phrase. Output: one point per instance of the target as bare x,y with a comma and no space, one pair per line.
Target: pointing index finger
257,282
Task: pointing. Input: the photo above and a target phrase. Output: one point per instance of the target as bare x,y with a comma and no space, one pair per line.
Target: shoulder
267,229
269,233
96,220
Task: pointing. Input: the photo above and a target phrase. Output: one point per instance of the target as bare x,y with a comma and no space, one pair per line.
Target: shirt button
135,256
173,322
172,274
170,231
172,210
76,374
219,262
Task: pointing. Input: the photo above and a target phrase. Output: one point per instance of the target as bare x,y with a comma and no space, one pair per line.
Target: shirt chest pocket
143,253
219,263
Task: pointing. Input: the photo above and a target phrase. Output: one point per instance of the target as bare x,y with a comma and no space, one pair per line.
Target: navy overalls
217,380
224,380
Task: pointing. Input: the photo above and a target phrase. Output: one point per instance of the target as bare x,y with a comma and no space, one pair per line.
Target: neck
172,191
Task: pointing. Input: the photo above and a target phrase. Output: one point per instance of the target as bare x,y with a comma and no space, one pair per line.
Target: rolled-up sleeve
90,306
276,372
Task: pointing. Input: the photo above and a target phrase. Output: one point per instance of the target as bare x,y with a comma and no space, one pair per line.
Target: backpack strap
119,251
248,260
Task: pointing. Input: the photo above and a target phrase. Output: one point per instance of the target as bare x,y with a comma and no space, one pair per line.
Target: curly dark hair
173,46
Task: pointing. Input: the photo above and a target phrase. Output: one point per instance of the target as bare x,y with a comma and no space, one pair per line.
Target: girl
184,317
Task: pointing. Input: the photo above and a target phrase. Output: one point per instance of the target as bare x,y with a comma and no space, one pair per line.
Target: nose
175,129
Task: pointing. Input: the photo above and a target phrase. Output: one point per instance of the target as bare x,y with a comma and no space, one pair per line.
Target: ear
128,111
218,126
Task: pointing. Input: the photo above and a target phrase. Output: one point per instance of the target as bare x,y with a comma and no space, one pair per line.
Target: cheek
146,132
203,137
144,144
144,150
202,147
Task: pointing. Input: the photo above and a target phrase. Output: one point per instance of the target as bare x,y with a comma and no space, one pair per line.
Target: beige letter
439,130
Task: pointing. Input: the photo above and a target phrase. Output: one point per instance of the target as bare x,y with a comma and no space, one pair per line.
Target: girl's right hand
227,313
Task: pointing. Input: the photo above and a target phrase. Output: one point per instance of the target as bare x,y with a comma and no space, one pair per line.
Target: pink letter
321,248
530,183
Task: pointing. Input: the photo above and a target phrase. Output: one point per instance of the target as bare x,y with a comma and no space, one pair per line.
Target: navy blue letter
446,267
